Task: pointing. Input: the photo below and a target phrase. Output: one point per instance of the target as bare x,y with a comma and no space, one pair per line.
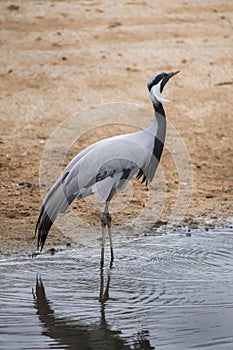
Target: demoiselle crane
105,167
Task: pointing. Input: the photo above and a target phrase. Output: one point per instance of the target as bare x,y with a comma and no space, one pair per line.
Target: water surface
172,291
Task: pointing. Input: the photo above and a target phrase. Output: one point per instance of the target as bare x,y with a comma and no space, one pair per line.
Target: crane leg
109,221
106,220
103,223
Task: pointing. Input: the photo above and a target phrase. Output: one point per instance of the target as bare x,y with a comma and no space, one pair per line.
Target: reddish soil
61,57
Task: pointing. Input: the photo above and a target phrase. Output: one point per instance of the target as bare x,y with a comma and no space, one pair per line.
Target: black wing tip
143,179
43,226
139,174
39,219
41,242
143,175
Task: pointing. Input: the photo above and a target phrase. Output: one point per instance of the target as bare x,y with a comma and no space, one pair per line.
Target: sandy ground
61,57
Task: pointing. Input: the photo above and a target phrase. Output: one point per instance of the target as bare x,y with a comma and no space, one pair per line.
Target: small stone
26,213
52,251
115,24
13,7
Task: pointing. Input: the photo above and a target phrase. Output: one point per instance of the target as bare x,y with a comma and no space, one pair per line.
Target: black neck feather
158,108
161,132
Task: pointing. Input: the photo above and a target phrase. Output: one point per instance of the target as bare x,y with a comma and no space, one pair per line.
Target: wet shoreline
54,244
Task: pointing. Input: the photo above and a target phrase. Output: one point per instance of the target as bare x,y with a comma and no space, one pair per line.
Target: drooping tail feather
39,218
55,202
43,226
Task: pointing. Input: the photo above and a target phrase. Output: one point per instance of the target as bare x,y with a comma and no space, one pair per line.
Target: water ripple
171,292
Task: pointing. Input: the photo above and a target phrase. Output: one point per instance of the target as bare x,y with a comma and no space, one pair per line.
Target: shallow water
172,291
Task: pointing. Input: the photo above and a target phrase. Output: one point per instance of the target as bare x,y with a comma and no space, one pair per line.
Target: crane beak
167,78
173,73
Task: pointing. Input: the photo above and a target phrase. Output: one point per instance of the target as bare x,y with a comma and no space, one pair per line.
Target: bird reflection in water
84,337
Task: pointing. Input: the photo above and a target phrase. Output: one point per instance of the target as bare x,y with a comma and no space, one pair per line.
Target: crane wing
100,169
112,159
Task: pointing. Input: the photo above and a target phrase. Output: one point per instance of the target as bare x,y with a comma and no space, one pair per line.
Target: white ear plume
156,95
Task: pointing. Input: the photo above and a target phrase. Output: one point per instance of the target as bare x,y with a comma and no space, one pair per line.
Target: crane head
156,84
